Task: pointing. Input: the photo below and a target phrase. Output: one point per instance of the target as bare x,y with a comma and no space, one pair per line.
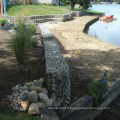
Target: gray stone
53,80
53,96
33,109
47,114
58,78
43,97
44,90
40,105
53,85
33,97
35,88
38,83
49,102
54,75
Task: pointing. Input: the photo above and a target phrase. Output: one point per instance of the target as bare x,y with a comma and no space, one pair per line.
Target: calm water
108,32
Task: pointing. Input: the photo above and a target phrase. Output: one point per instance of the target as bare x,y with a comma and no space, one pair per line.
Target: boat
106,17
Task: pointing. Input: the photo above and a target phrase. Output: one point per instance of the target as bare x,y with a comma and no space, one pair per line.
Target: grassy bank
94,12
27,10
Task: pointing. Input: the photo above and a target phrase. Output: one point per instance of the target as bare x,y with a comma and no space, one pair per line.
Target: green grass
8,114
94,12
27,10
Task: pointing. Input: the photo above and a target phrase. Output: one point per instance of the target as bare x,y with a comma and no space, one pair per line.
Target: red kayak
106,17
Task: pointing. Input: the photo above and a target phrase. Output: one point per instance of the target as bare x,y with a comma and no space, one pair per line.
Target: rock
43,97
42,80
33,97
49,102
44,90
76,37
40,105
33,109
53,96
38,83
25,104
53,85
35,88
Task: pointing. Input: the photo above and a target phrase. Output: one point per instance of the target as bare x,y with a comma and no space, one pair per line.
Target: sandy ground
92,55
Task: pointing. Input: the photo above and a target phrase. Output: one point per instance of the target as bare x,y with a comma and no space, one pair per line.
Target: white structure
37,1
46,1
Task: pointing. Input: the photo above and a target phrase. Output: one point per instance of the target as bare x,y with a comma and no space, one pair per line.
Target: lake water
108,32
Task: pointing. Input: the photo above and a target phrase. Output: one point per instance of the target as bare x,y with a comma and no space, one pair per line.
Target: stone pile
32,96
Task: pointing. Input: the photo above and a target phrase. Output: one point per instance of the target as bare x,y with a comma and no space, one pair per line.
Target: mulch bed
12,73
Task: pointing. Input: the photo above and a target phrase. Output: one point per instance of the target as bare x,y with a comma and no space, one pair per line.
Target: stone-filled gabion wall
57,70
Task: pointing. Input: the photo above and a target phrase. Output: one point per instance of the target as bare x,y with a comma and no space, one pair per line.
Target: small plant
20,46
96,91
21,41
32,29
34,43
3,21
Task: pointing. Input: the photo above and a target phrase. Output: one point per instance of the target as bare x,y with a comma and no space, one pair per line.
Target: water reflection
108,31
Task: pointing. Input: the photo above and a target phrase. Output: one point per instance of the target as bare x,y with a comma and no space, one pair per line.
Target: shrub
64,2
31,29
96,91
3,21
34,43
20,46
21,41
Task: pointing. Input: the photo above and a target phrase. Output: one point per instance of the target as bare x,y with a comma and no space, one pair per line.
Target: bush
34,43
32,28
21,41
20,46
64,2
3,21
96,91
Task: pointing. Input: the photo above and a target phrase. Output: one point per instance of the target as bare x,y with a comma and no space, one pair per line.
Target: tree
72,2
84,3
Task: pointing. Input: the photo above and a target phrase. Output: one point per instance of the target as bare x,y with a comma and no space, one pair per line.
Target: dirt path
92,55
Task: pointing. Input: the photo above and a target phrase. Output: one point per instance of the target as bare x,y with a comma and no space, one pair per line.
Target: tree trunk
72,6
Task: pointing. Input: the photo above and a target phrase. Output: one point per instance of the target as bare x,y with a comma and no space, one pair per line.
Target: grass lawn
27,10
94,12
9,114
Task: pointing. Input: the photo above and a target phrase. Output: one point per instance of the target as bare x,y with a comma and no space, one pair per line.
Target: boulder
33,109
43,97
41,105
25,104
44,90
35,88
33,97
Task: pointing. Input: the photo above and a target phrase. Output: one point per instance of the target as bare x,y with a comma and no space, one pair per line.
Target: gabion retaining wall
57,70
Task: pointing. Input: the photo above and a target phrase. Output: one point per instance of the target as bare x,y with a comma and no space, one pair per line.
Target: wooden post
28,2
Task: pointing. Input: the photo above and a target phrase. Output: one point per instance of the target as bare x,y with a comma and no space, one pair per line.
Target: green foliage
94,12
84,3
32,28
68,2
21,41
34,43
3,21
7,113
20,46
96,91
64,2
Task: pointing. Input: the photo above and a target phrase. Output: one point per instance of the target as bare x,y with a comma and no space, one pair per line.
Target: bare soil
91,54
12,73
